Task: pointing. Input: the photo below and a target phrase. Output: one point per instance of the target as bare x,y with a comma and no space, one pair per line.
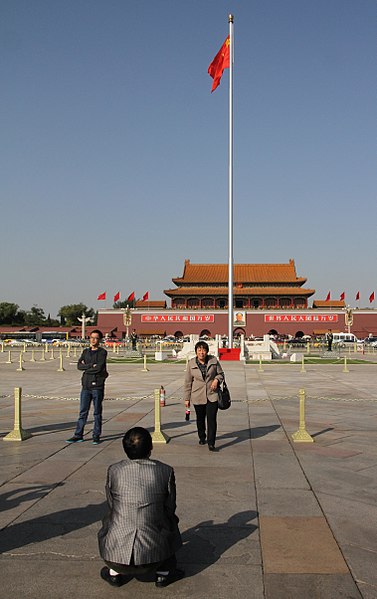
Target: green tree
124,304
9,313
35,316
70,314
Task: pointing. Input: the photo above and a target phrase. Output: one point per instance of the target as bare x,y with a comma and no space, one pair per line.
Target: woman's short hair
137,443
202,344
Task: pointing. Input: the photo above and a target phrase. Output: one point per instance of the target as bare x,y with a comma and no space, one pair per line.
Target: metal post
345,369
20,368
158,436
61,367
18,433
145,369
302,436
230,183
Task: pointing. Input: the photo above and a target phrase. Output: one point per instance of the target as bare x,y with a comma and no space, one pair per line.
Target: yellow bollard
158,436
260,369
345,369
18,433
75,352
145,369
24,346
46,348
114,348
20,368
302,436
308,347
32,359
61,367
187,360
9,361
68,355
303,364
52,357
43,356
2,347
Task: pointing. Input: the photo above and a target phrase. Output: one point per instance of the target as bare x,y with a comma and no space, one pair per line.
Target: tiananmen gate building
268,298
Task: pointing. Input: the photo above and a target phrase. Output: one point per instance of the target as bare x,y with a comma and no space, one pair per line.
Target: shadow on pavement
17,496
50,526
246,434
205,543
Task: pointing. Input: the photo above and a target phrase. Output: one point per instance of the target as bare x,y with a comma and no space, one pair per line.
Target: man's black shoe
115,581
75,439
96,440
173,576
202,442
212,448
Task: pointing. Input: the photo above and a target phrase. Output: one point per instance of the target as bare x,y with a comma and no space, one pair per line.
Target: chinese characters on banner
178,318
301,318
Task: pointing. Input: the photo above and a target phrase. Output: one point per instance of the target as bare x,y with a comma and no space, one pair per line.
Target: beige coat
196,390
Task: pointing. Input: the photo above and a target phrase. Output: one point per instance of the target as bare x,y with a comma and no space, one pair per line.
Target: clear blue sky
114,152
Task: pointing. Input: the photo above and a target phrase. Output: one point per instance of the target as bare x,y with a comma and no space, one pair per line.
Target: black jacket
93,363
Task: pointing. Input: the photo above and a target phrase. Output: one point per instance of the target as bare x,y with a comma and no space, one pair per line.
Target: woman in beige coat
203,376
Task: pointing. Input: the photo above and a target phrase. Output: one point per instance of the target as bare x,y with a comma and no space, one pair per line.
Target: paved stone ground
262,518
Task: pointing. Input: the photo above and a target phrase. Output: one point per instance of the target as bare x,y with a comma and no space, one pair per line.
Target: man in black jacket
93,364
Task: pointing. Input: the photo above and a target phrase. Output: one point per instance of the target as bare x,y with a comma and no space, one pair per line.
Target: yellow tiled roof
242,273
243,291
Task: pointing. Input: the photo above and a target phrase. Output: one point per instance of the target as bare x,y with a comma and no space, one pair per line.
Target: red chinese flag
131,297
371,297
357,296
146,296
219,63
102,296
342,296
328,297
117,297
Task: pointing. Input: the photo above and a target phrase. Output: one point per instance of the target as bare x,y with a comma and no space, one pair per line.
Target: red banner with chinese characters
178,318
301,318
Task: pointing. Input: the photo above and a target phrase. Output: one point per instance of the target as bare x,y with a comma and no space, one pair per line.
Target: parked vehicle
343,339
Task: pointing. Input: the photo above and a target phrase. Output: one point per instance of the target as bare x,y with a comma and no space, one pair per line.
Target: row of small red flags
343,297
131,297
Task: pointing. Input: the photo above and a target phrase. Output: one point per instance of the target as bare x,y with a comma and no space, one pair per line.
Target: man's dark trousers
86,398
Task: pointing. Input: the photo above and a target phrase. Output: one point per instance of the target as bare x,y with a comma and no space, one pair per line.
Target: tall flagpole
230,259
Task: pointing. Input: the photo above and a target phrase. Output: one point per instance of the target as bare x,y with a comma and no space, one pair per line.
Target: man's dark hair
99,333
202,344
137,443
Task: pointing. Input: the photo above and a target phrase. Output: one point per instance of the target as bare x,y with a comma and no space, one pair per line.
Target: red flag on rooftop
146,296
357,296
328,297
131,297
117,297
342,296
102,296
371,297
219,63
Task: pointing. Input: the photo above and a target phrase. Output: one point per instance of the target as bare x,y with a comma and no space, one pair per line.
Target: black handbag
224,399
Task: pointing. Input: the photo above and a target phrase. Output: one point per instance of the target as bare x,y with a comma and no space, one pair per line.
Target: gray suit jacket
141,524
